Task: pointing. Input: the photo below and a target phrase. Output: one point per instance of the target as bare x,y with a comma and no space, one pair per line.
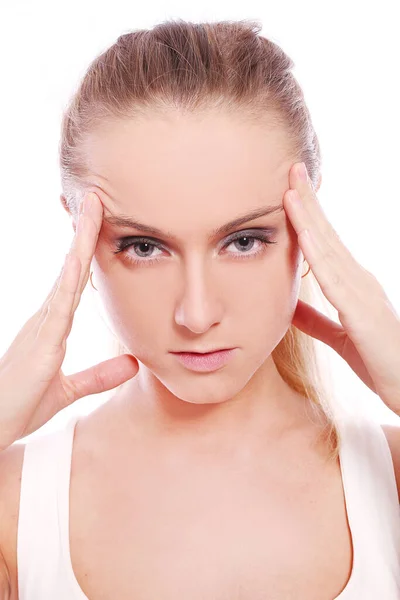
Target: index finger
86,236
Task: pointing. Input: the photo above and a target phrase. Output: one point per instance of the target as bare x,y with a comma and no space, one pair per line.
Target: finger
309,207
314,323
56,321
85,241
81,246
33,324
56,283
102,377
43,309
342,279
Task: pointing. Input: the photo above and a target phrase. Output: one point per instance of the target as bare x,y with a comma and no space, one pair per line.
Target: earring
91,281
309,268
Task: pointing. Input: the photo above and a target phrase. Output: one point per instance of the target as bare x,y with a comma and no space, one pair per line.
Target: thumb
103,376
314,323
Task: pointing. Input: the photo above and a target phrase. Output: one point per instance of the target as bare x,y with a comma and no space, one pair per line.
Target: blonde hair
192,67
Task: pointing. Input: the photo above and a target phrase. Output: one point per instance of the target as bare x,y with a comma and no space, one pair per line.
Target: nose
199,307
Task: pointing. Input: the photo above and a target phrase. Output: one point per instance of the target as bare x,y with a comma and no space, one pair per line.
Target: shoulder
11,461
392,433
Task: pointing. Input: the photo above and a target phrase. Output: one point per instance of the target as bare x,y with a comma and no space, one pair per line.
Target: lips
204,362
200,351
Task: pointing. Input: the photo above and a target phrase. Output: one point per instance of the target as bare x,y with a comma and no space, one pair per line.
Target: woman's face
189,287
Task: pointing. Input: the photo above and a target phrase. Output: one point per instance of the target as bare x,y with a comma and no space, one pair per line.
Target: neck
266,406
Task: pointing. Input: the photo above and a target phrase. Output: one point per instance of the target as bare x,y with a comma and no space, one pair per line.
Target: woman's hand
33,387
369,338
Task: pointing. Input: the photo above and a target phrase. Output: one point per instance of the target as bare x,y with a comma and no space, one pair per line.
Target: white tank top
43,554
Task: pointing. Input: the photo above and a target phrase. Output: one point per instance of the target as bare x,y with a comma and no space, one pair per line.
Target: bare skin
226,525
218,485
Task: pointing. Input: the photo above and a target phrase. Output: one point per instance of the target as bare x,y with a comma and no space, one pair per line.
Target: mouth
201,351
205,361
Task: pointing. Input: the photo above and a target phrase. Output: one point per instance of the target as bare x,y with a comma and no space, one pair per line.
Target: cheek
272,282
132,306
139,322
269,300
137,307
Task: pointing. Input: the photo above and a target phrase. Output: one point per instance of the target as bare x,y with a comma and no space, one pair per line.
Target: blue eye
145,245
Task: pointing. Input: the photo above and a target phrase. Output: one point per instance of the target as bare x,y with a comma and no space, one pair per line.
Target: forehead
188,165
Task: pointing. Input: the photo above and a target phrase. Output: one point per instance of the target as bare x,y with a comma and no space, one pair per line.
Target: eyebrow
128,222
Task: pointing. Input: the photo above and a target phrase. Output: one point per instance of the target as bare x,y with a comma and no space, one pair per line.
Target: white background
346,60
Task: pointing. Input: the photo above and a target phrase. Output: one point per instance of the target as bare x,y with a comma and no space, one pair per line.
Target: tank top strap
41,523
63,488
372,505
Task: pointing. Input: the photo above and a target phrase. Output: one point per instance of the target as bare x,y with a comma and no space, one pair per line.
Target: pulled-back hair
192,67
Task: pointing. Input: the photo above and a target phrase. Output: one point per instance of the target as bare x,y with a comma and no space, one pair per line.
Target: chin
216,387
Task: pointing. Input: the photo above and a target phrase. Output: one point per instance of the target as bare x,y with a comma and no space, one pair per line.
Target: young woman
218,469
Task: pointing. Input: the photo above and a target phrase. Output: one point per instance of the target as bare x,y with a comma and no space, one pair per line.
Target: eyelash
124,244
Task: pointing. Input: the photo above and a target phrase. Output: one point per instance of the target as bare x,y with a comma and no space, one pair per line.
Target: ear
64,204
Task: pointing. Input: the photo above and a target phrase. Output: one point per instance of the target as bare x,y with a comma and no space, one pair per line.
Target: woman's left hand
369,338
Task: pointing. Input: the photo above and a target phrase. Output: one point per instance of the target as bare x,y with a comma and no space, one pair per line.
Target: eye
249,240
144,247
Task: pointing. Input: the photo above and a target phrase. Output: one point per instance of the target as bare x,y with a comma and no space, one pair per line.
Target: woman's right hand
33,387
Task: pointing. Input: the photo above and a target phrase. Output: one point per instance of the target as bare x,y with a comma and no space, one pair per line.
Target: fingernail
294,197
303,172
86,203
